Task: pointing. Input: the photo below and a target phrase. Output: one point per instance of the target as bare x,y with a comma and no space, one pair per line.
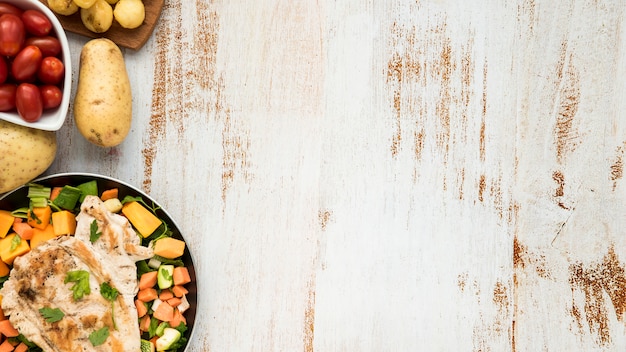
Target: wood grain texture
387,176
128,38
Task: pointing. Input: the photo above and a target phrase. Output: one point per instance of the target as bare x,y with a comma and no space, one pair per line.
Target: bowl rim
143,194
51,120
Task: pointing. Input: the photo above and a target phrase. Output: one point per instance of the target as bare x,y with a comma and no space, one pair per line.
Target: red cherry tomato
4,70
36,23
49,46
51,70
12,34
9,8
51,96
7,96
28,102
26,64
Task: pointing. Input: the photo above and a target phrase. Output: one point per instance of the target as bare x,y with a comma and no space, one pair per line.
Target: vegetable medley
161,301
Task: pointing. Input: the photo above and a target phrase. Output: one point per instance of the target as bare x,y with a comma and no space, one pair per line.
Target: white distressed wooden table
403,175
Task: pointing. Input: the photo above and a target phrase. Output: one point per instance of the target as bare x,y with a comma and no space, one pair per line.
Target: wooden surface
402,175
128,38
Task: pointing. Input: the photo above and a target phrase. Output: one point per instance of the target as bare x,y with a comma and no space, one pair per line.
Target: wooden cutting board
128,38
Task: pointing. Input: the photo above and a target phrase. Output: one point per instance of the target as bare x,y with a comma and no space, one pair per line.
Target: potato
129,13
25,153
97,18
63,7
103,101
112,2
84,4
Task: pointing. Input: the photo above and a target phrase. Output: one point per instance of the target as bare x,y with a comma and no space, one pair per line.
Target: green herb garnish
110,294
15,242
81,283
93,231
51,315
98,337
163,260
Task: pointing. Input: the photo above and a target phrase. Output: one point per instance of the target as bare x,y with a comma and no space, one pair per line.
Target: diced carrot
64,223
40,236
153,340
169,247
181,275
148,280
142,219
177,319
55,192
7,253
4,269
6,346
141,308
179,290
39,217
174,301
24,230
22,347
165,295
7,329
147,294
144,323
6,222
109,194
164,312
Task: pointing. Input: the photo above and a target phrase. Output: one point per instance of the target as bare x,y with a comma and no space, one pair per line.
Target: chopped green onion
39,202
38,191
67,198
20,213
89,188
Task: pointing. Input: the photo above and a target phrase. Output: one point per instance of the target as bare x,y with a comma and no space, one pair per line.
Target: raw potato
103,101
97,18
63,7
129,13
25,153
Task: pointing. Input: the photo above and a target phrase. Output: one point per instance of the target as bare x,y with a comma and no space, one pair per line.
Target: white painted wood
386,176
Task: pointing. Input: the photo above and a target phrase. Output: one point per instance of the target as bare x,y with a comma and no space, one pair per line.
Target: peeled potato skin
103,101
25,153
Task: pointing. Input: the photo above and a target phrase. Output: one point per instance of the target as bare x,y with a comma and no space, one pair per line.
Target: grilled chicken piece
37,281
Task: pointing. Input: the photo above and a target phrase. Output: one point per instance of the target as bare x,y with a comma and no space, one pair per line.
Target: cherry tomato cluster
31,72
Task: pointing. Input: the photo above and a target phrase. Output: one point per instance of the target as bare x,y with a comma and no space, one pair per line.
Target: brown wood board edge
128,38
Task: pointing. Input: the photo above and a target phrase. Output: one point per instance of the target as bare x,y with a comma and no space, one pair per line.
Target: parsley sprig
81,283
93,231
98,337
51,315
110,294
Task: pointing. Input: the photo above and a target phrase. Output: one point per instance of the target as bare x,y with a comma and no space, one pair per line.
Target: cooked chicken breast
38,281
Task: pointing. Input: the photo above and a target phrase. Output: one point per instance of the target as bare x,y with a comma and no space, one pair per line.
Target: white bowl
51,119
